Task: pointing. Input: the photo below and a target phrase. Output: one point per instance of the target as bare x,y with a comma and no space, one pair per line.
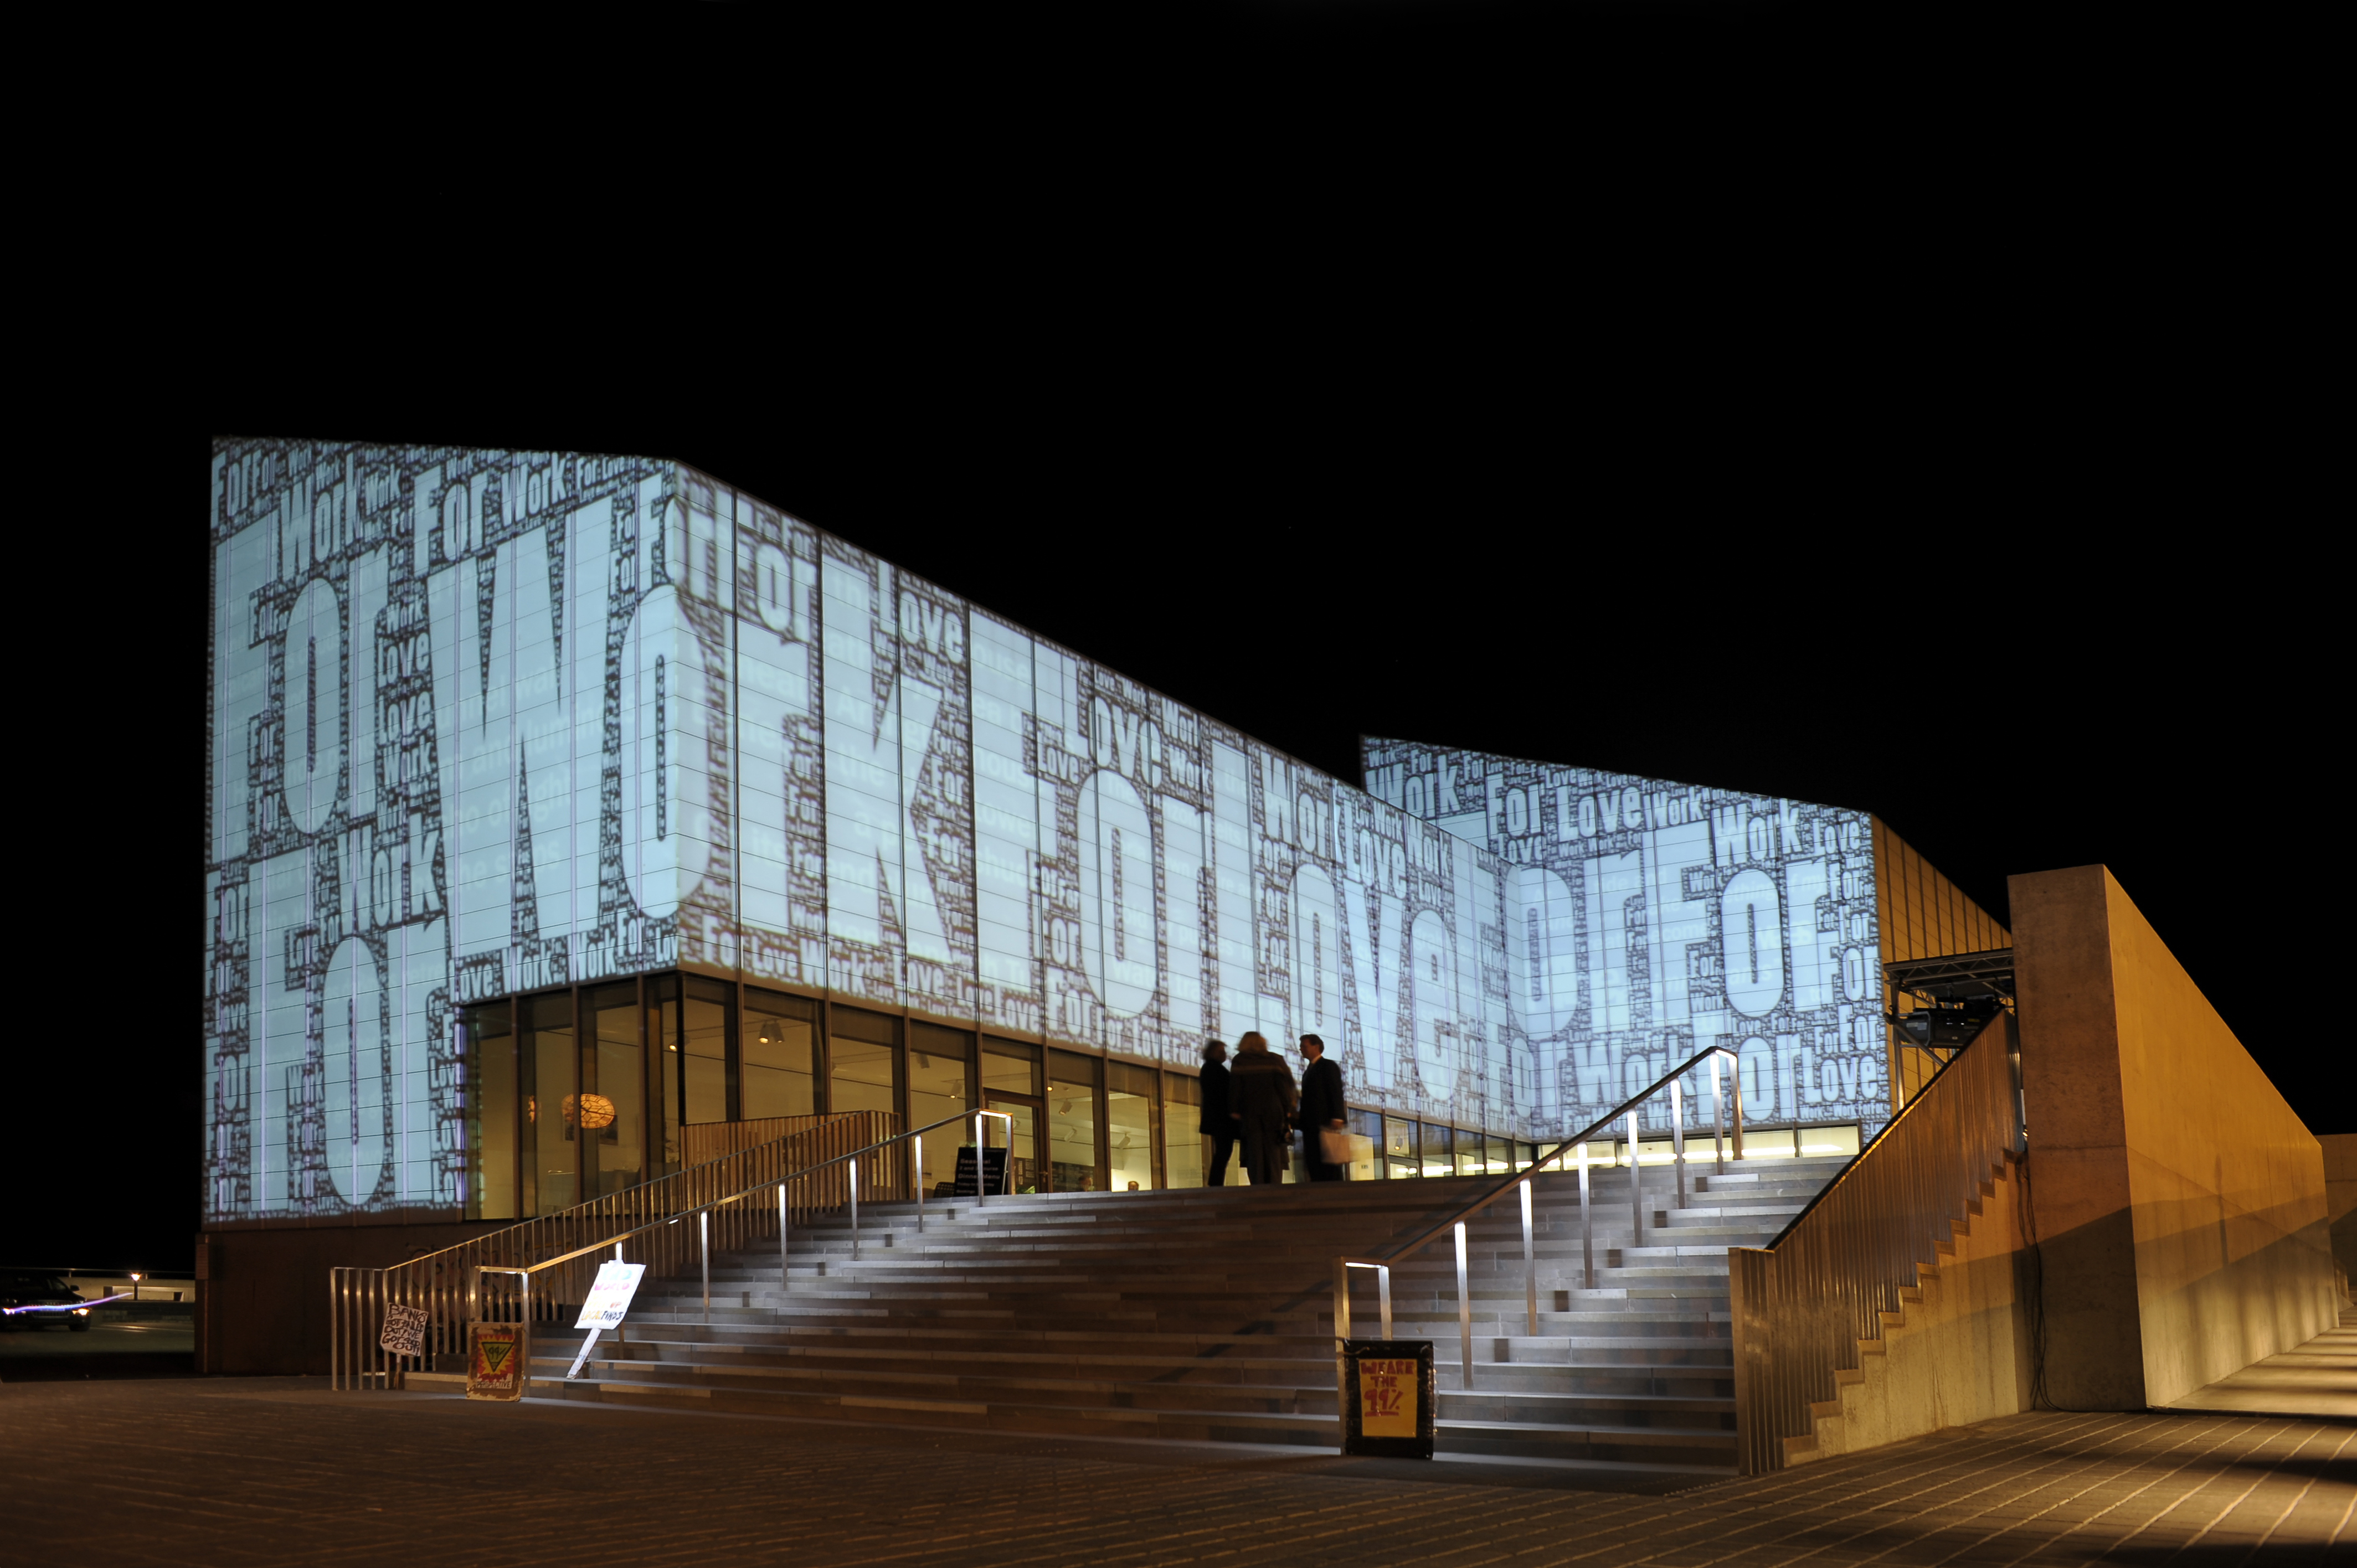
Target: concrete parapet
1957,1351
2176,1201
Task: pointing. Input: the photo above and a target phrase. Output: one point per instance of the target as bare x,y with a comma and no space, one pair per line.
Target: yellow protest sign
1387,1398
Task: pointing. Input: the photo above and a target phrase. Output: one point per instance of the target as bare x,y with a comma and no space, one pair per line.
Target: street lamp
135,1287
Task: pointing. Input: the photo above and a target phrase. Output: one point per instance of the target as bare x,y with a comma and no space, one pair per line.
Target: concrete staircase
1206,1317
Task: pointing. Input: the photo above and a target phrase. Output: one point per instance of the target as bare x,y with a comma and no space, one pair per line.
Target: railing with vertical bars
450,1286
1802,1304
1670,1085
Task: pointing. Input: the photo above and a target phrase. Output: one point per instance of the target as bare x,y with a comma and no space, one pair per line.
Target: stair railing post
1735,1101
916,1176
1718,1121
1384,1295
1530,1264
1342,1358
1636,1191
783,1225
1464,1312
1586,1224
981,1165
853,1164
704,1246
1678,1136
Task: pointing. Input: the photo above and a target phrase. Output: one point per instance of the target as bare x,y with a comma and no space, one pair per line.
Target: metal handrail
981,1166
1673,1081
701,1212
1800,1308
358,1296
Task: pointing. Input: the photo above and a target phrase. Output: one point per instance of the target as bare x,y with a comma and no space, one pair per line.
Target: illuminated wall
1648,920
484,722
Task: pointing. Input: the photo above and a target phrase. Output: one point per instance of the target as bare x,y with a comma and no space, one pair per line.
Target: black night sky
1375,430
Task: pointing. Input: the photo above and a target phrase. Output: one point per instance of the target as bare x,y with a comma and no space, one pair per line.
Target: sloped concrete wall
1958,1350
2341,1200
2178,1201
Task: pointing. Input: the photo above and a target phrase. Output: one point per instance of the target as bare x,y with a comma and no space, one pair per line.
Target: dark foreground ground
282,1471
153,1344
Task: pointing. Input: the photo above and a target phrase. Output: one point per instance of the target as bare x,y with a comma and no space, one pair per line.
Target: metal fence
1803,1303
449,1288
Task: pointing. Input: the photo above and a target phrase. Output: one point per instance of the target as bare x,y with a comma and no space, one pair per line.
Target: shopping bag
1334,1145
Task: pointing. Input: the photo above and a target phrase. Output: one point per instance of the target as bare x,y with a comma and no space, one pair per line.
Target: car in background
31,1298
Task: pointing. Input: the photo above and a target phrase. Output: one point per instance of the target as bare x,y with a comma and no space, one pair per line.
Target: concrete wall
2178,1203
2341,1200
262,1293
1957,1351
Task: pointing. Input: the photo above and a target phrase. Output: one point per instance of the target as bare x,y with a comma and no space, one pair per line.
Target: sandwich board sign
1389,1405
992,1169
609,1302
497,1355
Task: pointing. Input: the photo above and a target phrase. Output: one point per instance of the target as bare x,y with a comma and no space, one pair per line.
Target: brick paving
266,1472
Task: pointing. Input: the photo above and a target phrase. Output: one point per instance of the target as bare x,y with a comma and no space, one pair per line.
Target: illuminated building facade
563,805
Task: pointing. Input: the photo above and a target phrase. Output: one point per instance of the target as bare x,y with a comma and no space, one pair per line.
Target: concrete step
1208,1316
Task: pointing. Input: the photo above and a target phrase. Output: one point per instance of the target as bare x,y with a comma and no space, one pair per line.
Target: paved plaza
266,1472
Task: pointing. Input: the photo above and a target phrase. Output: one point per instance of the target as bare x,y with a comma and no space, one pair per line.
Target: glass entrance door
1023,1155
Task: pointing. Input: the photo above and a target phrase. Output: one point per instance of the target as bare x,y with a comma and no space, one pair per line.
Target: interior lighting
589,1111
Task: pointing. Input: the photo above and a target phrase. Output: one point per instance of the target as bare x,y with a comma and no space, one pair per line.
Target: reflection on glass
487,1047
937,1088
1129,1127
617,1073
552,1148
1182,1131
1073,1123
861,1076
1469,1153
1367,1124
662,1038
1399,1148
1019,1136
706,1048
778,1079
1816,1143
1440,1150
1008,1068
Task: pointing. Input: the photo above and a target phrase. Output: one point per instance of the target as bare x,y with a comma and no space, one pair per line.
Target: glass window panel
1469,1153
1073,1123
937,1080
488,1049
662,1036
776,1076
1367,1124
1010,1066
551,1162
1440,1150
705,1049
1816,1143
1400,1158
1130,1095
861,1075
1018,1135
616,1070
1182,1134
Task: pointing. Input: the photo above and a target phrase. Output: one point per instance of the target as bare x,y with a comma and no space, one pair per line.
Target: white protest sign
609,1298
404,1331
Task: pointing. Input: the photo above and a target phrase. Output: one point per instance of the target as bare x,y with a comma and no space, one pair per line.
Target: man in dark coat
1219,1122
1321,1107
1262,1094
